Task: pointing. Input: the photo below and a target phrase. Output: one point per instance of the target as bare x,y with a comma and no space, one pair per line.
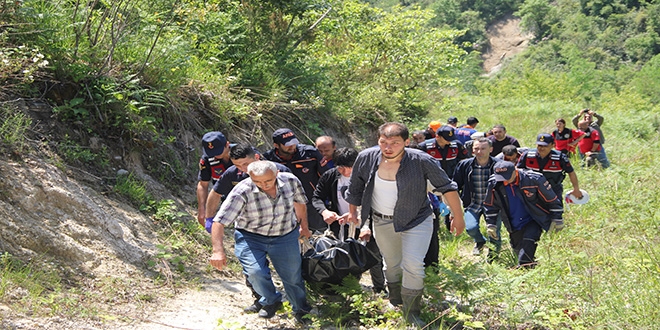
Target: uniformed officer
304,161
553,164
214,161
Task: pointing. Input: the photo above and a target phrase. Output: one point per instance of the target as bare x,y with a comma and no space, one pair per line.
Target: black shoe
254,308
300,317
269,311
477,248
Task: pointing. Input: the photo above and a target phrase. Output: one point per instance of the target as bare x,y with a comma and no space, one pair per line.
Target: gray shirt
412,205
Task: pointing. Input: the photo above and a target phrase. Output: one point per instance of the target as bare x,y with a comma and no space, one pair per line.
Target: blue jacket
537,195
463,177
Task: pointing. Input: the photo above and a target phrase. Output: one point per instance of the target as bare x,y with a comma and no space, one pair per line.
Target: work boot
412,300
395,293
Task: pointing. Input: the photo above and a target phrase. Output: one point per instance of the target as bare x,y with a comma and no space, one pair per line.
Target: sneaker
269,311
478,247
254,308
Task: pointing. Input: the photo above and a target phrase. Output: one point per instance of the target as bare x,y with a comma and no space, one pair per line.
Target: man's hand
577,193
556,225
492,232
218,259
351,218
457,225
201,219
329,216
304,232
365,234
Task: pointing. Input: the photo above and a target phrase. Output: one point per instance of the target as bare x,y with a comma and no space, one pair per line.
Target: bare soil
506,40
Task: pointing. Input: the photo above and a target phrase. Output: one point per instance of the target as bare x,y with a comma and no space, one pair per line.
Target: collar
514,183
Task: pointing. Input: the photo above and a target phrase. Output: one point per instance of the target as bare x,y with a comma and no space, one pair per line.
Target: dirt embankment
506,39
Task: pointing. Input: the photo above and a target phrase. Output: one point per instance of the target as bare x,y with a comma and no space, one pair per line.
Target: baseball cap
285,136
544,139
452,120
434,125
214,144
447,132
503,170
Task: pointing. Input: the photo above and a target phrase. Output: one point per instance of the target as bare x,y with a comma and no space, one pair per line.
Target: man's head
510,153
215,145
560,123
481,148
544,144
418,136
392,139
472,121
504,171
445,134
326,146
499,132
285,141
344,160
583,125
242,155
263,174
433,126
452,121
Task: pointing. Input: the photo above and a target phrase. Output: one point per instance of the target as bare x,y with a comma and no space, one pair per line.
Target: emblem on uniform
567,135
305,170
210,146
541,138
528,193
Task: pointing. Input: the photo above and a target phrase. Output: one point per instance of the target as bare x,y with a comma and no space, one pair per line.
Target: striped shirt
253,210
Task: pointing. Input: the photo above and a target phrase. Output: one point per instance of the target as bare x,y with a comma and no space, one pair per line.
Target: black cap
285,136
447,132
452,120
502,171
544,139
214,144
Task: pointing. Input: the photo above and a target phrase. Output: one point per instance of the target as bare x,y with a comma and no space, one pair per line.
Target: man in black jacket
526,204
471,176
329,202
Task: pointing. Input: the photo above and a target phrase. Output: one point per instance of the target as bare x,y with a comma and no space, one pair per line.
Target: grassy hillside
151,77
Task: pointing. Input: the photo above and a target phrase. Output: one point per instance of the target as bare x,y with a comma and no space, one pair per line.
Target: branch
311,28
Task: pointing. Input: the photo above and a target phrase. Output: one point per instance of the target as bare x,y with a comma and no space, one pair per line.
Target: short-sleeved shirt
211,169
591,136
464,134
498,145
553,167
253,210
233,176
565,137
305,164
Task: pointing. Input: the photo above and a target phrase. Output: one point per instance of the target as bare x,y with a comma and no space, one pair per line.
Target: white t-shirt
384,197
342,187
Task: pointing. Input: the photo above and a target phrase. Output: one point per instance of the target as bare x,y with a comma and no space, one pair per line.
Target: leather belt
383,216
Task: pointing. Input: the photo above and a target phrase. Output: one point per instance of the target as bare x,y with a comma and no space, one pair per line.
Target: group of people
394,192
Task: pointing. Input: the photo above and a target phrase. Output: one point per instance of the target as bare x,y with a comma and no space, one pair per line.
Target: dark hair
561,120
472,120
345,157
484,139
241,150
500,126
393,129
509,150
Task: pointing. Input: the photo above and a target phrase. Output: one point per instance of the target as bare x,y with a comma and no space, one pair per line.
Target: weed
13,125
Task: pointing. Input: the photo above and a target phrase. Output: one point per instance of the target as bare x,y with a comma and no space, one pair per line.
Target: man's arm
599,119
576,187
218,258
212,202
301,216
202,195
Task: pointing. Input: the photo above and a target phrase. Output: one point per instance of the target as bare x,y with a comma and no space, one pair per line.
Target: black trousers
524,243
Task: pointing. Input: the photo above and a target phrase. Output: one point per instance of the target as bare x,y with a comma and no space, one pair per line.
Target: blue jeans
472,228
403,252
284,253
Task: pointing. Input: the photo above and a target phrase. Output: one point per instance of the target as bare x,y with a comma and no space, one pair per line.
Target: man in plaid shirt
269,213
